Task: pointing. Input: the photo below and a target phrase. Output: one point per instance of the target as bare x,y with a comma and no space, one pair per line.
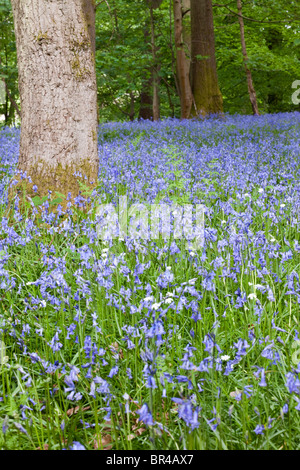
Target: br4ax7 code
171,459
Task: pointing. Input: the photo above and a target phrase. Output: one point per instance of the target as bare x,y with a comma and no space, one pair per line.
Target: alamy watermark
296,94
152,221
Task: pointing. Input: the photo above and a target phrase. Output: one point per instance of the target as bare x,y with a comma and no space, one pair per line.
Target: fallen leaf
137,430
236,393
103,441
75,410
115,350
46,447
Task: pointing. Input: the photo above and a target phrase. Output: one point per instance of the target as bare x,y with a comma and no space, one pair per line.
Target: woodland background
125,64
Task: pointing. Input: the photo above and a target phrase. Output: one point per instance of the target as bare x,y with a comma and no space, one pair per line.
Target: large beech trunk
251,90
186,97
205,88
58,92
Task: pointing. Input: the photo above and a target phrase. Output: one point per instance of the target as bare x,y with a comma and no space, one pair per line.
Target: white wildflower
169,294
252,296
225,358
156,306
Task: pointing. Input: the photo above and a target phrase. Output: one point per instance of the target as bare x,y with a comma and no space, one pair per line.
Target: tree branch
99,3
185,12
245,17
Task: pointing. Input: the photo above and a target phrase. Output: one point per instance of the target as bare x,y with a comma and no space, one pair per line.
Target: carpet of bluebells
132,343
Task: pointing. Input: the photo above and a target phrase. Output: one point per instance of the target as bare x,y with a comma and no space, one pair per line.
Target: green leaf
56,201
36,200
60,195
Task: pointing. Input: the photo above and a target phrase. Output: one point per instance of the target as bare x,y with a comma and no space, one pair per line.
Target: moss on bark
70,180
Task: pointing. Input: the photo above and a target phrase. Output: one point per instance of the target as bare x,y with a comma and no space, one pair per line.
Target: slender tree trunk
6,108
156,103
146,106
251,90
186,97
146,109
205,88
186,30
57,83
171,104
11,115
89,16
13,104
131,110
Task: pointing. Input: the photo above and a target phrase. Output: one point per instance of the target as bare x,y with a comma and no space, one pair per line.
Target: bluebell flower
20,428
145,415
77,446
292,383
5,425
260,428
113,371
55,344
285,408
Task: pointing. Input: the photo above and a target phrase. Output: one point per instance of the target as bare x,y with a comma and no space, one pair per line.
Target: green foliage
8,60
124,59
273,51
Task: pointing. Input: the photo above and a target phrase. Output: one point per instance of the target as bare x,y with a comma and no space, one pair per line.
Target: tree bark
156,102
58,92
89,13
186,97
146,109
13,103
205,88
131,109
251,90
186,30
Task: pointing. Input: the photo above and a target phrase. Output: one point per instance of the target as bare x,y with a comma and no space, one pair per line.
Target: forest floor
147,341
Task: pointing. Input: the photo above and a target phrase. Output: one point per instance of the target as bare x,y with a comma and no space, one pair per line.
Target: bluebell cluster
179,341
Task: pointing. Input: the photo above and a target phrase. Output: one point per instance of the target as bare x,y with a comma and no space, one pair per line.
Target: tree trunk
58,92
156,103
186,97
146,110
251,90
13,104
11,114
89,17
205,88
131,109
186,30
